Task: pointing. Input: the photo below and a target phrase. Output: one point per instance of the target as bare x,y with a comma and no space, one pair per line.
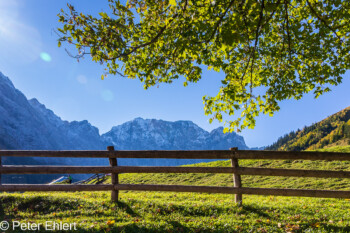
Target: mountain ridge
30,125
153,134
331,131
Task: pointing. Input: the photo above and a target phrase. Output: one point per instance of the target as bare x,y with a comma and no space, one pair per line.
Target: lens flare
82,79
107,95
45,56
20,42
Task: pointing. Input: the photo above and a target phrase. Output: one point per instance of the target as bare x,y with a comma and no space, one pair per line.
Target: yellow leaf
109,222
172,2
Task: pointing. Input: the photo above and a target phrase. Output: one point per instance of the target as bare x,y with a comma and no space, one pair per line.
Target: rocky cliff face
29,125
75,135
151,134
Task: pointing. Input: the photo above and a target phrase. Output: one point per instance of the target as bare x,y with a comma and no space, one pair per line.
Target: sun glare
45,57
19,41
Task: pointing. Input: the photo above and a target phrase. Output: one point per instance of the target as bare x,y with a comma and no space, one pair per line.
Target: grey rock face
151,134
29,125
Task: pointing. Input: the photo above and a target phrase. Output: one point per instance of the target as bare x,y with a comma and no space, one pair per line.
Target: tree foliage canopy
269,50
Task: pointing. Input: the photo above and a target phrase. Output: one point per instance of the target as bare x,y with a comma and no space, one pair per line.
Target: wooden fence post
236,177
114,176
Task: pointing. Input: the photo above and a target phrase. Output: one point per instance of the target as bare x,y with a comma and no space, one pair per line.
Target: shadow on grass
247,209
127,209
178,228
2,211
337,229
135,228
3,202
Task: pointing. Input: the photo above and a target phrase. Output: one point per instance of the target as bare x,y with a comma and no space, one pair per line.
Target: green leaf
172,2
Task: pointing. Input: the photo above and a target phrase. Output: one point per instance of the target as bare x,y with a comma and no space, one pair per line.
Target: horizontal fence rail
232,154
9,169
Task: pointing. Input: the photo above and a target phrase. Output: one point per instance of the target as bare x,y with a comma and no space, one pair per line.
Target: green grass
193,212
345,149
178,212
250,181
254,181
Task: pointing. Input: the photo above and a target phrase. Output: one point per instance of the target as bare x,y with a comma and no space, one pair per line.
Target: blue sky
29,56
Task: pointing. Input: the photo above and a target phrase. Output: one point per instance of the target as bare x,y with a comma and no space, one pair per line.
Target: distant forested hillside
332,131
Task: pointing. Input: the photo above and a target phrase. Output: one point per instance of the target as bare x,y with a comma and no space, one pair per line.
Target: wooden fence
233,154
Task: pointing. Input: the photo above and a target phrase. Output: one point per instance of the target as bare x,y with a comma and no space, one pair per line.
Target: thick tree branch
257,35
288,33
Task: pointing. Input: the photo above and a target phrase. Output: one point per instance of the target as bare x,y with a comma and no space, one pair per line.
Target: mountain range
29,125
